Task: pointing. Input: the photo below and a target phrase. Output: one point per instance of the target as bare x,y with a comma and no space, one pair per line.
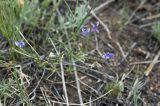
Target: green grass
6,91
52,37
137,86
36,23
156,31
117,88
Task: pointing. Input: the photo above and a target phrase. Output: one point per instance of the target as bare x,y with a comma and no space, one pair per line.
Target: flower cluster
86,30
95,27
20,44
107,55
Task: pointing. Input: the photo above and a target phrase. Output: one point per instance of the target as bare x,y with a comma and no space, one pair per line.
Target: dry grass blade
102,6
89,87
38,83
134,12
85,104
143,62
78,87
64,84
151,17
149,69
121,49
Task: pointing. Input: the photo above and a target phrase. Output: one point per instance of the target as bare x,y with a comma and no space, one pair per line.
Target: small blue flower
85,31
95,27
107,55
20,44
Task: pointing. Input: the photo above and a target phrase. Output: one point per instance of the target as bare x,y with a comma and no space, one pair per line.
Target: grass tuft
116,88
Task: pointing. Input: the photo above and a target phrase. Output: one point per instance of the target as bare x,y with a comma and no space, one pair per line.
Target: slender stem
63,82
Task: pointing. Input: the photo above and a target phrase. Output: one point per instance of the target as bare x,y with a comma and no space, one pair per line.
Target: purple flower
95,27
107,55
85,31
20,44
